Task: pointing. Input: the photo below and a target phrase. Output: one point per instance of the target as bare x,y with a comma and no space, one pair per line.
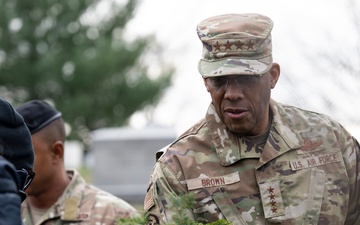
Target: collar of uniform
284,125
225,142
281,137
73,190
228,147
71,197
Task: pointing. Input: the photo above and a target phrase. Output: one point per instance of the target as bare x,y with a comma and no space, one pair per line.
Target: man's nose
233,90
231,82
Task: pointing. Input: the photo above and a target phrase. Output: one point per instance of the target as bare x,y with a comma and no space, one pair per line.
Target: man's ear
275,74
57,149
206,84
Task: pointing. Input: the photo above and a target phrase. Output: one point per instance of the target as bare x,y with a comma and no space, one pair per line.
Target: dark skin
245,109
51,178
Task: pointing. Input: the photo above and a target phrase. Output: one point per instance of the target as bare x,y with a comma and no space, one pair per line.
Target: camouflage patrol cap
235,44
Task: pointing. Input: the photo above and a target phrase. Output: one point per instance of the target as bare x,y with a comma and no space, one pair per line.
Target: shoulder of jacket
191,131
291,112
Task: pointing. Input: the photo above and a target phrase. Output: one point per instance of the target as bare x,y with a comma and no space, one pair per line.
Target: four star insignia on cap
228,45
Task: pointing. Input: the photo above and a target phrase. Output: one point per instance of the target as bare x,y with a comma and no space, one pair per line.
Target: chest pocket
227,207
218,205
309,182
216,198
297,209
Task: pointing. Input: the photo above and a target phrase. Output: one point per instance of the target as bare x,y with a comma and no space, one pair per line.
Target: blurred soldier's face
242,101
43,166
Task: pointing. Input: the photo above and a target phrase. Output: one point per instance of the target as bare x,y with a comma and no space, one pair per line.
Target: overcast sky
302,28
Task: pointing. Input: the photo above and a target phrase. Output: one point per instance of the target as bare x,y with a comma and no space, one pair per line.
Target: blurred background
124,73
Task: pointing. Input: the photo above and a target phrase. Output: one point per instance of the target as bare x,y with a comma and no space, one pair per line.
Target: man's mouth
236,113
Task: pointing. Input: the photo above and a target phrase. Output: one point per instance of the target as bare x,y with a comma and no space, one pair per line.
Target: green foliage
64,52
220,222
140,220
179,207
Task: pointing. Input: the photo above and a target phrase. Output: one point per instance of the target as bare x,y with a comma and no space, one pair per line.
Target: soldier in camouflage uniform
252,160
58,196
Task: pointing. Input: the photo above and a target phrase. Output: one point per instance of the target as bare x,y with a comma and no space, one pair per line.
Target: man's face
242,101
43,166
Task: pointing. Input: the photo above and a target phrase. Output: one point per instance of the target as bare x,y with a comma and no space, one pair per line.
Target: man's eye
247,79
219,80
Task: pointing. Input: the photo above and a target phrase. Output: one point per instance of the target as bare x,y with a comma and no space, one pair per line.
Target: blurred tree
69,53
343,58
334,65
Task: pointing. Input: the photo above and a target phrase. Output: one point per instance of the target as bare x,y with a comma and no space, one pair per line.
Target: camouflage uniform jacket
306,173
82,204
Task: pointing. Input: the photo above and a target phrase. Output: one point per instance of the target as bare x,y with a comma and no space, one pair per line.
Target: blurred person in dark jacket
16,164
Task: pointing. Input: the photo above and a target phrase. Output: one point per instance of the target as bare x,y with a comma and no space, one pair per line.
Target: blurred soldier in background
58,196
16,164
